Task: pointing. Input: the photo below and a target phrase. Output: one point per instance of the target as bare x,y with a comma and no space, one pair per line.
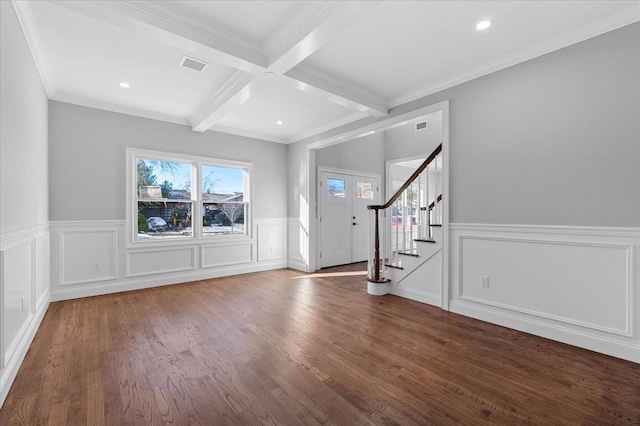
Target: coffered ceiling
310,65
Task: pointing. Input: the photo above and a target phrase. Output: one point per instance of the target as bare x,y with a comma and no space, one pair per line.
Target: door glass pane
364,190
336,187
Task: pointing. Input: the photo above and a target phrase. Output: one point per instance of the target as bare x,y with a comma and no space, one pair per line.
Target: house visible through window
188,197
223,204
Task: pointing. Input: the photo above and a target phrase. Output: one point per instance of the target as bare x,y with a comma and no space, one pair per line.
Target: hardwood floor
282,347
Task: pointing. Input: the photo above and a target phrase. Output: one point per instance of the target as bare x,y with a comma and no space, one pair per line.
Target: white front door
344,219
365,193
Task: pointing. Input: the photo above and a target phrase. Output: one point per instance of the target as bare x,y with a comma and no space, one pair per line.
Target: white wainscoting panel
24,295
88,255
77,245
573,284
271,237
586,284
17,288
226,254
158,261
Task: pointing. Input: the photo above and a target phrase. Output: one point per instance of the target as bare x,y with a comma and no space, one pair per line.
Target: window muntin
185,197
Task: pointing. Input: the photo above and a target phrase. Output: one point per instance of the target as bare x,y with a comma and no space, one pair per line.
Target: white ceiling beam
312,80
236,91
164,23
310,30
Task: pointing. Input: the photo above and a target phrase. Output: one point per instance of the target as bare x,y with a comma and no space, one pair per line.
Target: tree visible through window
223,202
168,207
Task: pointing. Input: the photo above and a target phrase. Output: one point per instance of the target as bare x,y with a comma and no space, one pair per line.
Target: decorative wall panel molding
271,238
24,295
88,255
573,284
160,261
590,282
78,245
214,256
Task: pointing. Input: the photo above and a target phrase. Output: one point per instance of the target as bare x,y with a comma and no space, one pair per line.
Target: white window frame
196,198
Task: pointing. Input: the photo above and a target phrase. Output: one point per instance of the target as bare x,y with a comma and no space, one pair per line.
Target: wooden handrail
409,181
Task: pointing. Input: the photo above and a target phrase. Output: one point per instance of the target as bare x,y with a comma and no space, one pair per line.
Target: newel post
376,248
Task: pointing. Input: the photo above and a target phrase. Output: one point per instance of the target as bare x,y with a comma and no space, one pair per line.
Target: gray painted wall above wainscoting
87,160
550,141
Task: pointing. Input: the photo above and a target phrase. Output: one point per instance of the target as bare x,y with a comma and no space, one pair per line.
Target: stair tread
424,240
435,224
408,254
393,266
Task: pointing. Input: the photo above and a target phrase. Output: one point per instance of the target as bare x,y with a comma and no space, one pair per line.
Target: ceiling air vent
193,64
421,126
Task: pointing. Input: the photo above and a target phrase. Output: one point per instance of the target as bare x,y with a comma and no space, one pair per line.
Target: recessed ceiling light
279,122
483,25
124,84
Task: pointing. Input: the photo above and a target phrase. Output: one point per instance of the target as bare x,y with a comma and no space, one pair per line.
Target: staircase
406,237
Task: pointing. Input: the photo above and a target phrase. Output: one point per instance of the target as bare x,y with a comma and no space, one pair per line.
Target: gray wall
87,160
551,141
364,154
404,141
23,131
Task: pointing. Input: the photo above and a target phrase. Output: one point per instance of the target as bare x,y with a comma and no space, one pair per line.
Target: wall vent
421,126
193,64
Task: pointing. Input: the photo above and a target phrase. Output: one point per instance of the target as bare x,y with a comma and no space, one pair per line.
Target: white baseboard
418,296
297,264
628,351
13,364
161,280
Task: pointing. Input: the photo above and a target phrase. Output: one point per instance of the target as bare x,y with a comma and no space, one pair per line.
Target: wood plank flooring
282,347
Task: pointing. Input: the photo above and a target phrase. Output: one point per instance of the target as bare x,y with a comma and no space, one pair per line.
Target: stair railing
417,207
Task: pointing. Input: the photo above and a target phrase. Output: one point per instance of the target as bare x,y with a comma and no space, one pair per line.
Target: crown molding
169,13
27,23
597,28
121,109
165,24
247,134
338,91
